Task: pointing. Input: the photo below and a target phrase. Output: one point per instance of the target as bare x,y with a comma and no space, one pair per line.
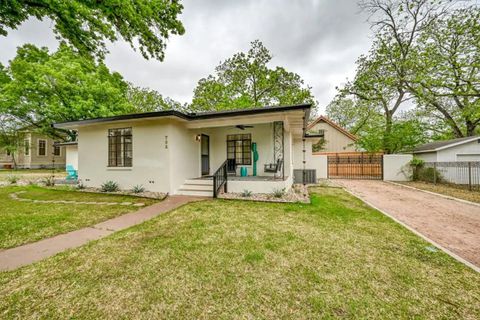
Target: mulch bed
298,193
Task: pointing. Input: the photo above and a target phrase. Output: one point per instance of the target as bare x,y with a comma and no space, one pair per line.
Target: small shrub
278,193
13,179
428,174
109,186
49,181
246,193
80,185
138,189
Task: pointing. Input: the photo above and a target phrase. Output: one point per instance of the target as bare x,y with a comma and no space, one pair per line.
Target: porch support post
279,145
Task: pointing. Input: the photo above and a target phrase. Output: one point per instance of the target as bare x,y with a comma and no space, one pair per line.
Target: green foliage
147,100
417,162
350,113
319,145
245,81
80,185
444,76
138,189
427,174
424,51
11,137
278,192
246,193
13,179
49,181
109,186
45,88
88,25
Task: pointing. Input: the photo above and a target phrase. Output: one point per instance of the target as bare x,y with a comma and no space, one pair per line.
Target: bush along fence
463,174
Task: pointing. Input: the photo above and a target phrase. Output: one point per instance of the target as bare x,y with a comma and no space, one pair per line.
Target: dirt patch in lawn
473,196
453,224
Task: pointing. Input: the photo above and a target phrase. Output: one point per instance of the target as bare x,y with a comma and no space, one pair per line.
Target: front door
205,155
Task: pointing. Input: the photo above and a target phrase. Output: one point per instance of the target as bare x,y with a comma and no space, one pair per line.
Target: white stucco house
193,153
461,149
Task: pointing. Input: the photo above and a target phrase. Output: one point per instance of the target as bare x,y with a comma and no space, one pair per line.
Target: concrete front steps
197,187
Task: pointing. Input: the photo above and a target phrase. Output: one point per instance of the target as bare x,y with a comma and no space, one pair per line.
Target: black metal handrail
220,179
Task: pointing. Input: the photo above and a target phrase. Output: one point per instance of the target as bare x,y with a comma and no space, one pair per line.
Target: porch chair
274,167
71,172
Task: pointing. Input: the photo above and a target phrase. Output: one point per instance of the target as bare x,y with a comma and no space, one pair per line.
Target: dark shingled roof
188,116
432,146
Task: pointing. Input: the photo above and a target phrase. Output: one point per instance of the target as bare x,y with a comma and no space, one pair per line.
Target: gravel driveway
452,224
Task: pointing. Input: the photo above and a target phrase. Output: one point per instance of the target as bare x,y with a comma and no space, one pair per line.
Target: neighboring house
35,151
330,137
175,152
461,149
6,160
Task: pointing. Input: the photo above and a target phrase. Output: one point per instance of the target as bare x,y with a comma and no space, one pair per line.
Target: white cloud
318,39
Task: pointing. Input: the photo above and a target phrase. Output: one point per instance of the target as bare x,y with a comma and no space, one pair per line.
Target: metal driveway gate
368,166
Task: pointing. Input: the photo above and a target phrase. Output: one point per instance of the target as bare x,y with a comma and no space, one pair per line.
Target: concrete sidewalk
23,255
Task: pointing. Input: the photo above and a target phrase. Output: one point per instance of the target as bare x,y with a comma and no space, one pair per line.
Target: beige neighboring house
192,153
336,139
36,151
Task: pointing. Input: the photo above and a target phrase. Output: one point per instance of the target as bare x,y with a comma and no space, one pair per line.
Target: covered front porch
251,153
259,152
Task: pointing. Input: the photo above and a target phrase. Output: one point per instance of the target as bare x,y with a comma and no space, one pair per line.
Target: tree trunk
388,131
470,128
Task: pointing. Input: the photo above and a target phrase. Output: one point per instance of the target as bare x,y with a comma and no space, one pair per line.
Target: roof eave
184,116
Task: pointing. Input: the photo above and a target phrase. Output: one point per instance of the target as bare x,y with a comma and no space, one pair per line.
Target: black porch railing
220,178
461,174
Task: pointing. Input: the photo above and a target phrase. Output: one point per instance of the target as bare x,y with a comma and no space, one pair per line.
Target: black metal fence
462,174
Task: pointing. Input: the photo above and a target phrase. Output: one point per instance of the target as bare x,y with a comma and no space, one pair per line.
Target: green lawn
335,258
23,222
33,175
448,190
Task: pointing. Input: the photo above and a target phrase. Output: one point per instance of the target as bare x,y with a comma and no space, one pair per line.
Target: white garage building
461,149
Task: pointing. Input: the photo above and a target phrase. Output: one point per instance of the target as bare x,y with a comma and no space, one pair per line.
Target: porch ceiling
293,121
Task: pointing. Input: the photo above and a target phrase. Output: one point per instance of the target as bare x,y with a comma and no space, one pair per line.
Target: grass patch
23,222
33,175
334,258
465,194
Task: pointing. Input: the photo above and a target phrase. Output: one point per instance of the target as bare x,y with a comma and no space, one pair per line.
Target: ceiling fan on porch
242,126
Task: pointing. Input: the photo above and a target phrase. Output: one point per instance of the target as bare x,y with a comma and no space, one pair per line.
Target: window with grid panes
239,147
120,152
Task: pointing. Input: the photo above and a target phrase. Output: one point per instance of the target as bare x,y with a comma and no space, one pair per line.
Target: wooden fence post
434,173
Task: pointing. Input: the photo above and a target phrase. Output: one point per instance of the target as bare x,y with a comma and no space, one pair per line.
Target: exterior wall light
198,137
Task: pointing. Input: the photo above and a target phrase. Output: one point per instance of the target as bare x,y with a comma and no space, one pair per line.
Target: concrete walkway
449,223
23,255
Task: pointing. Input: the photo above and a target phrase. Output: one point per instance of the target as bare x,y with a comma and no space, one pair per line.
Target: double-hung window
120,152
56,149
42,147
239,147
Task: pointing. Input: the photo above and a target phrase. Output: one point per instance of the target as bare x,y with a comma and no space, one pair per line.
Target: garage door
468,157
355,166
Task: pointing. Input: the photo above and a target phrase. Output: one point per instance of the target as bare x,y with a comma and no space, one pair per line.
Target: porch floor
247,178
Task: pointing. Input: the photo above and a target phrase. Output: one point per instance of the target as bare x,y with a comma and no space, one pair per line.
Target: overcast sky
318,39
